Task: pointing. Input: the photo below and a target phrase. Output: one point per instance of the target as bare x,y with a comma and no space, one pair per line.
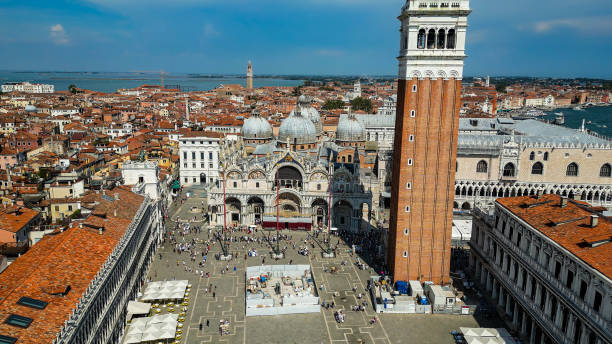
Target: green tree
297,91
363,104
76,214
501,87
73,89
333,104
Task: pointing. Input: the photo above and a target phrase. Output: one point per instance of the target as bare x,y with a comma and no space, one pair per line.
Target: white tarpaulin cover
487,335
158,327
165,290
137,308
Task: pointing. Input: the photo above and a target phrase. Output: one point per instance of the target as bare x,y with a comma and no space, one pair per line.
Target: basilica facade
285,181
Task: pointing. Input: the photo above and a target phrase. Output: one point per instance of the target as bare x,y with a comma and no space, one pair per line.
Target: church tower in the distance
432,50
249,81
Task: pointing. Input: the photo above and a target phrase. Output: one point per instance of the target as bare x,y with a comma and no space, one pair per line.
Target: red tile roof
13,219
70,258
568,226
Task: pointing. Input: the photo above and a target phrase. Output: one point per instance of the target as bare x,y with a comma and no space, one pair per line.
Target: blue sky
558,38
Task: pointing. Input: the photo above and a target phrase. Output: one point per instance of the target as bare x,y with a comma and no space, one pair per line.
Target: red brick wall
432,174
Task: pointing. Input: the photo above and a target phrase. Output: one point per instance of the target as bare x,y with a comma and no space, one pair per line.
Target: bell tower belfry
432,51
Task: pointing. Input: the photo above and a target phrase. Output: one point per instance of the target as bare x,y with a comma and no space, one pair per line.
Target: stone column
524,324
584,337
559,316
538,293
533,332
508,304
502,298
483,275
519,280
495,290
515,316
569,333
548,304
489,281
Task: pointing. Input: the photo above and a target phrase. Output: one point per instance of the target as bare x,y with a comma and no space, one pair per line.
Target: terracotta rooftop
13,219
568,226
68,260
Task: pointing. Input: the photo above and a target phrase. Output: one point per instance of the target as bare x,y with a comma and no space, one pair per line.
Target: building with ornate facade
546,261
294,170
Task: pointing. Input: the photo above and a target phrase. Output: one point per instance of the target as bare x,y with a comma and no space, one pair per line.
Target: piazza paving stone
229,301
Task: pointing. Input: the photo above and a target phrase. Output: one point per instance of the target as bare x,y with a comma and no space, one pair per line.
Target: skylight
7,340
18,320
30,302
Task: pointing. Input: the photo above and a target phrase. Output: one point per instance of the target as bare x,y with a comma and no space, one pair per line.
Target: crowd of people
191,243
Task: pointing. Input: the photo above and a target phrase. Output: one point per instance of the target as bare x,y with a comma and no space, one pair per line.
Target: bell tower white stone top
433,36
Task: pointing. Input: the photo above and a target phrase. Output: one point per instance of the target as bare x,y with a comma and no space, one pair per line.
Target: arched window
545,156
350,158
572,170
537,168
532,156
482,167
431,39
441,39
421,39
605,171
509,170
450,39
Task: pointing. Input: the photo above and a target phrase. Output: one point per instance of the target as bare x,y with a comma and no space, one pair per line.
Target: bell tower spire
432,50
249,75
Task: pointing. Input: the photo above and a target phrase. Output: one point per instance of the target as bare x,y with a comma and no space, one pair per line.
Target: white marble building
199,154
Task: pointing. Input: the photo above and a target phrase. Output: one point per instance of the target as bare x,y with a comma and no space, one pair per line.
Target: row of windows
202,155
195,142
538,169
202,165
544,259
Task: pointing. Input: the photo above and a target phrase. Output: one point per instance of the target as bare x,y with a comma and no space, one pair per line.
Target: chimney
540,194
576,197
100,231
563,203
594,221
116,196
115,212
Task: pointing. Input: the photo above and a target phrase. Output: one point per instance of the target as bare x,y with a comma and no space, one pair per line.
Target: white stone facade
549,295
433,39
28,88
199,159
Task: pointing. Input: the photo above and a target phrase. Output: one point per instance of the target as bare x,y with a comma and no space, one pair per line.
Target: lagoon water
600,117
111,82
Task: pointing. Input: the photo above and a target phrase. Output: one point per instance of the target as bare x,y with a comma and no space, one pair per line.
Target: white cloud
599,25
210,30
58,35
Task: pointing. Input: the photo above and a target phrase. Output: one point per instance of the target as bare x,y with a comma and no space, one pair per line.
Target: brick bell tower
432,50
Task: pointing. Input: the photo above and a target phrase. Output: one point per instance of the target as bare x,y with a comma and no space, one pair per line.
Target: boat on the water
559,118
578,108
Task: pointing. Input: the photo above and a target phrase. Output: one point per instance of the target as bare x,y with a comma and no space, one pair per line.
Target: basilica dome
350,130
310,112
256,127
297,129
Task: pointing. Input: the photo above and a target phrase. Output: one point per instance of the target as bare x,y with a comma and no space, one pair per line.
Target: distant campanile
432,51
249,76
